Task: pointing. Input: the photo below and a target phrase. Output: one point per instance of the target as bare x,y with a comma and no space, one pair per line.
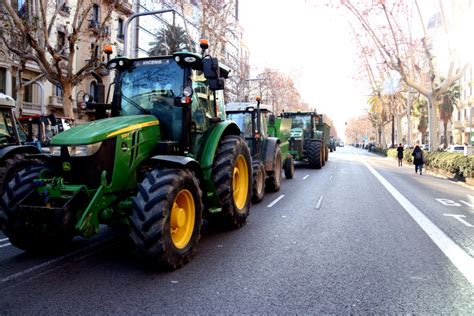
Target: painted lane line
5,245
306,177
459,218
468,204
276,200
318,205
342,170
461,260
330,178
3,239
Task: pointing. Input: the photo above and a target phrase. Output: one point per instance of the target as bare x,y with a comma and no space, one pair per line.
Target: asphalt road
361,235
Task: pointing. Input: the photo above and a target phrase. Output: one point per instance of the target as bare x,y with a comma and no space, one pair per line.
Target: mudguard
269,151
184,161
11,150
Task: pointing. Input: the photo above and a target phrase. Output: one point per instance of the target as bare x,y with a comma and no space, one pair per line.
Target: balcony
31,108
55,101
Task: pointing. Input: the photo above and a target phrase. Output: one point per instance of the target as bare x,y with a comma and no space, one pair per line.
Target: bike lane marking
461,260
306,177
459,218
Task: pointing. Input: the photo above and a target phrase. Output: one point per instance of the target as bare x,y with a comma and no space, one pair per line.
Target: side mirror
271,119
210,67
216,84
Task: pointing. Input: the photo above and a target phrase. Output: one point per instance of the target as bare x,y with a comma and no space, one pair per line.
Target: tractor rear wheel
25,234
289,167
232,178
259,175
314,154
167,217
273,183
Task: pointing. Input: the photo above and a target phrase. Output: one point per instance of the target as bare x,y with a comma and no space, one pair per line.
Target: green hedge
455,163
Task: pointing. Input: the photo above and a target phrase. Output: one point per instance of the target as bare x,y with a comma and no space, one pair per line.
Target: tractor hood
100,130
296,132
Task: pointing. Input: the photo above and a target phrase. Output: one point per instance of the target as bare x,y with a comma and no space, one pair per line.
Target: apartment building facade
103,25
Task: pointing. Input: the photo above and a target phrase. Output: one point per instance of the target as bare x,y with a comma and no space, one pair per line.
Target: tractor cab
183,91
39,129
10,134
251,119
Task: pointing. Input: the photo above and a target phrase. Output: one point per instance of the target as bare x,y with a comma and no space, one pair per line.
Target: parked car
456,149
340,144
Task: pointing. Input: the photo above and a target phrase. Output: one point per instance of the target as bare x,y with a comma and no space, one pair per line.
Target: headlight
83,150
55,151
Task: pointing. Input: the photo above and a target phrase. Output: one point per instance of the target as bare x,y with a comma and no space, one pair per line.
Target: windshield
150,87
244,120
301,121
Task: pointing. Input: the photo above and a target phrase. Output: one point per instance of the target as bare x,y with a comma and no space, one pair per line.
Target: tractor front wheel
314,154
259,175
232,178
167,217
27,234
289,167
274,177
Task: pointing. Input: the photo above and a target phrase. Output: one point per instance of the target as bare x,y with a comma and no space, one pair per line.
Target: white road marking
330,178
5,245
276,200
459,218
468,204
318,205
342,170
461,260
448,202
306,177
3,239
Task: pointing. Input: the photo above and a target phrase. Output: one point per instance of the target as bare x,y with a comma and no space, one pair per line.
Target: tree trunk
445,133
432,124
67,100
398,123
393,131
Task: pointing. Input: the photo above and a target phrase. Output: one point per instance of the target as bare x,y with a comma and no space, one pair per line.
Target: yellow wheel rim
240,182
182,219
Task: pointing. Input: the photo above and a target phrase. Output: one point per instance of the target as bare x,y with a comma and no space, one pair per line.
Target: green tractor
166,159
269,153
309,139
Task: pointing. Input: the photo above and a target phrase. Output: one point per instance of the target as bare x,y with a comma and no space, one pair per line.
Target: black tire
231,153
26,235
314,154
273,182
259,175
326,151
152,218
10,166
289,167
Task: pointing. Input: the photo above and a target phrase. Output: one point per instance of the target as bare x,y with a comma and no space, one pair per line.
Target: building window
94,91
3,80
28,95
58,91
120,29
63,6
95,13
61,41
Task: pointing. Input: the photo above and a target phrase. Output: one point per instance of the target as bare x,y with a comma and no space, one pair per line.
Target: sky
313,45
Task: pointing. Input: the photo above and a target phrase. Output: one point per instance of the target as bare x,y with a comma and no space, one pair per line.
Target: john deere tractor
309,138
269,153
164,160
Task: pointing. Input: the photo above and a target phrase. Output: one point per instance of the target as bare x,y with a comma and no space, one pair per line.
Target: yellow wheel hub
182,219
240,182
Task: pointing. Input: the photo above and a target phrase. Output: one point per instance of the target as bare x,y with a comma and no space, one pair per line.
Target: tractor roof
6,101
299,113
245,106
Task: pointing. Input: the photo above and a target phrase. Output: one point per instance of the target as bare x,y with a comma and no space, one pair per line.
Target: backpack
418,155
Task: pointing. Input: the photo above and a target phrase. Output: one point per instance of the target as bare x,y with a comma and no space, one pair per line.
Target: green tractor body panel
281,128
100,130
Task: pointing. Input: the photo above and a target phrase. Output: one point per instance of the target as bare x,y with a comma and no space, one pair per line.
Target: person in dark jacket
400,154
418,159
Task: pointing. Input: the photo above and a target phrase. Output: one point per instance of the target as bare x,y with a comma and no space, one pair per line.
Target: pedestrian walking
418,159
400,155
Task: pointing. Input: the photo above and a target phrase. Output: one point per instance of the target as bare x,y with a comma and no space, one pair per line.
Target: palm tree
421,110
446,107
173,38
